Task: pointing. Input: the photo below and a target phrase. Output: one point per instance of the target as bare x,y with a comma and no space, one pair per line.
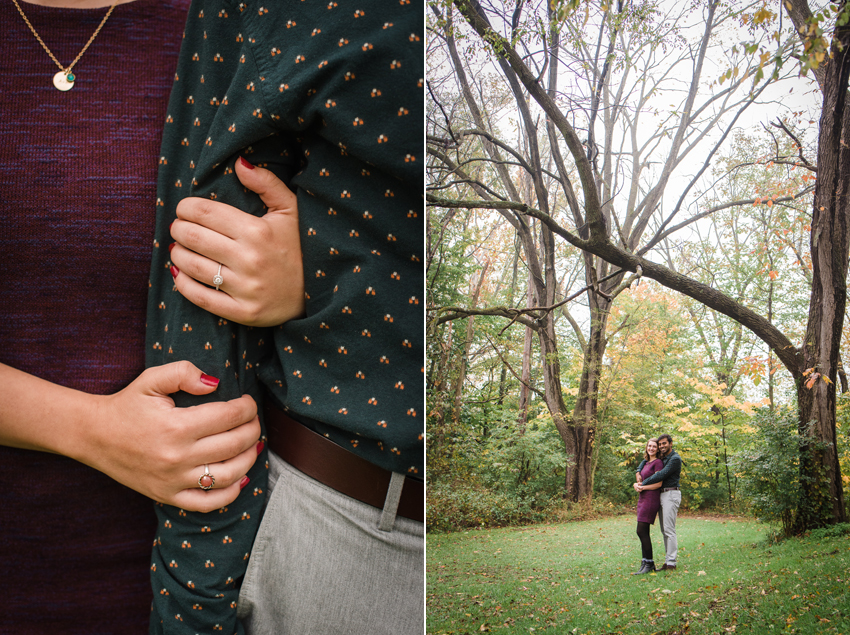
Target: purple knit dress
650,500
77,205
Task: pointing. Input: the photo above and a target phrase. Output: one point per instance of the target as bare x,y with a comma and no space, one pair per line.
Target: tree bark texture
582,432
829,248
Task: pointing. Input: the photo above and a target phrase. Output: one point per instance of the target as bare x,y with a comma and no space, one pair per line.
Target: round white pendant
63,81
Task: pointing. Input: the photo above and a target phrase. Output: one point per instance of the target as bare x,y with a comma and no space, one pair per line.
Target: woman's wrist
84,425
36,414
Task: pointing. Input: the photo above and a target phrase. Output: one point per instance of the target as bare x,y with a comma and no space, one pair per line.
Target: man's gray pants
320,565
670,502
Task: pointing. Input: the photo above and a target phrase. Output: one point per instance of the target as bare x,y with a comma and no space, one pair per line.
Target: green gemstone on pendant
70,77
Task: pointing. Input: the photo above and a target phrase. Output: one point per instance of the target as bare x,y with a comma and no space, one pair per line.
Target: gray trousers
670,502
321,565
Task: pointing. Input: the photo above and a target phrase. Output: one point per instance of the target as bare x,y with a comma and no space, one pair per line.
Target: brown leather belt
669,489
325,461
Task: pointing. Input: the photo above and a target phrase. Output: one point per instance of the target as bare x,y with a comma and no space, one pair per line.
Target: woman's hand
260,258
137,436
159,450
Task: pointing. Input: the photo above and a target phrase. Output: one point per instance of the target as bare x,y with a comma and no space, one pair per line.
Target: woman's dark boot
646,566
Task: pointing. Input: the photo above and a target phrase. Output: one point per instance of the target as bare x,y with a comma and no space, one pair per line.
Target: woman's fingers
138,437
205,241
221,424
227,472
269,296
168,379
230,478
197,500
202,269
213,215
225,445
272,191
216,302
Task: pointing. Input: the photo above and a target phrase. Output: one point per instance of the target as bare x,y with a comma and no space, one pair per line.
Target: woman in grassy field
649,501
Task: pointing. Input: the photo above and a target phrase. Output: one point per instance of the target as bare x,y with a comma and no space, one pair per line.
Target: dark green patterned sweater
329,96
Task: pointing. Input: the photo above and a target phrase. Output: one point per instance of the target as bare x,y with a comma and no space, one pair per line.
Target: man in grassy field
671,496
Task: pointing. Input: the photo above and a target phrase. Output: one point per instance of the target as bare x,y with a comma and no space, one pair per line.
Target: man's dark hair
666,436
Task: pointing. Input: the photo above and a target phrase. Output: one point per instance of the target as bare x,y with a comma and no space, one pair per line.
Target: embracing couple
657,481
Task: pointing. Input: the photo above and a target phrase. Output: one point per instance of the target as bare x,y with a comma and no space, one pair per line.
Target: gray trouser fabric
670,502
321,565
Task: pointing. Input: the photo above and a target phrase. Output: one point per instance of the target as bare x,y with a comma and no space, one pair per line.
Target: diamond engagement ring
207,480
217,279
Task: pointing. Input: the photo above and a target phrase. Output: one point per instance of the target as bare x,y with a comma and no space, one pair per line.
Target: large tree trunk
580,435
823,495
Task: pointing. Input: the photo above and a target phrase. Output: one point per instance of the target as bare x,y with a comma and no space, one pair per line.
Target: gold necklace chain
64,79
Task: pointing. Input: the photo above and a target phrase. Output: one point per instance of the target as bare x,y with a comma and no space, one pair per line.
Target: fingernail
260,447
174,271
245,480
208,380
171,246
245,163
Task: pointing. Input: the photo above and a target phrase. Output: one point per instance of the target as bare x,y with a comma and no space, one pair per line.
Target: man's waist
333,466
667,483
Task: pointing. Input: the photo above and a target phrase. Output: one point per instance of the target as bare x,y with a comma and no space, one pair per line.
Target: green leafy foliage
833,531
769,468
496,476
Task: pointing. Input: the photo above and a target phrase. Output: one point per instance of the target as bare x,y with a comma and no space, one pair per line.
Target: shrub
713,497
833,531
523,465
494,476
466,505
614,478
769,469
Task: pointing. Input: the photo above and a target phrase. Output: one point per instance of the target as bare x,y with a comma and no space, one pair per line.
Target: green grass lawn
575,578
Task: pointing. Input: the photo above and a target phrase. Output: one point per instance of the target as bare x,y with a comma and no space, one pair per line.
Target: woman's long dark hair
645,453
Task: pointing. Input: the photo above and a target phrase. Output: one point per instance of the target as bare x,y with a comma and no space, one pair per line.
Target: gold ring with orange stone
206,480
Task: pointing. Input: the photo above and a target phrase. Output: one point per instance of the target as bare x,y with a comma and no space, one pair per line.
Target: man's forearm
664,472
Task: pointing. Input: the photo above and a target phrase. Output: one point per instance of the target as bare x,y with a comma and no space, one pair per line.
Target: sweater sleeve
674,466
641,466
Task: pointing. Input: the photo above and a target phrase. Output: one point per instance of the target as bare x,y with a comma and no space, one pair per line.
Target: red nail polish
260,447
245,480
208,380
174,271
171,246
245,163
